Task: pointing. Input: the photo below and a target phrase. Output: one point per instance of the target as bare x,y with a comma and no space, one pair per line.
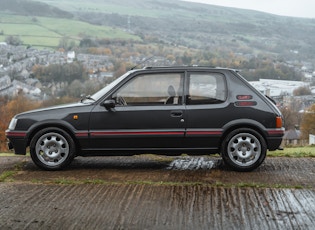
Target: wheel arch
246,124
52,124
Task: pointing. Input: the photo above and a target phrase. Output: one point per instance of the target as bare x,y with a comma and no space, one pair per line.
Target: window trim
181,74
187,87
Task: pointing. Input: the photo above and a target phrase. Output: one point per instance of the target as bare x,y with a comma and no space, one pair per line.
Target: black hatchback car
163,110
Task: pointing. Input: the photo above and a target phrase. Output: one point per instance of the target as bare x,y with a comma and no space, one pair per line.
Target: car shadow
138,162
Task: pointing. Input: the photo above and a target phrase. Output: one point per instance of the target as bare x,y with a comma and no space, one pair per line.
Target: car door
206,109
148,115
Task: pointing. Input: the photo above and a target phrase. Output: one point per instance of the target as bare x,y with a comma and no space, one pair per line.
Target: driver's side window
151,89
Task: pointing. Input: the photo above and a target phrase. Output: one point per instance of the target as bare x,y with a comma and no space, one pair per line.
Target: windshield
104,90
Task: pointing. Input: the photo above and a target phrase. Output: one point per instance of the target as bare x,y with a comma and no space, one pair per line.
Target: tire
243,150
52,149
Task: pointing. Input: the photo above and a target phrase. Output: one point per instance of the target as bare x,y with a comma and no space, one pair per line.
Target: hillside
31,8
169,22
42,25
202,26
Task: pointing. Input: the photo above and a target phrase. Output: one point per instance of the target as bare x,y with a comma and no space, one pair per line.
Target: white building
276,88
70,56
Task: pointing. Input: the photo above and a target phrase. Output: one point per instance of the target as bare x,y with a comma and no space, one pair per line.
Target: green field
157,9
47,32
308,151
123,7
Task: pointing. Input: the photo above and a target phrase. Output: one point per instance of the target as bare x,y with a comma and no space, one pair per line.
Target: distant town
20,61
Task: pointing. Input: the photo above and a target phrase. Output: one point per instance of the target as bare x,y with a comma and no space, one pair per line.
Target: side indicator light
75,117
244,97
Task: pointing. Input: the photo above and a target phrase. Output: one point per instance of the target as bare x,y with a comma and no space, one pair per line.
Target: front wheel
243,149
52,149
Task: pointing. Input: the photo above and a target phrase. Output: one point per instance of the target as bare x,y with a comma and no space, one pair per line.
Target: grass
307,151
47,32
68,181
7,176
30,30
135,9
7,155
261,185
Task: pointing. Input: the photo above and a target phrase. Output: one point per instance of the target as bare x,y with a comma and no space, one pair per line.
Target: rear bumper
274,143
274,138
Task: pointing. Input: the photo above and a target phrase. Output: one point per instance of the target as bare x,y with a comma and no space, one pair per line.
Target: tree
60,73
76,89
58,101
91,87
87,42
290,116
186,59
302,91
308,122
13,40
66,43
119,69
8,109
63,42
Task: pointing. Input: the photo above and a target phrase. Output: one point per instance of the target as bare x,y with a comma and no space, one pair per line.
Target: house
5,82
15,87
70,56
292,137
277,88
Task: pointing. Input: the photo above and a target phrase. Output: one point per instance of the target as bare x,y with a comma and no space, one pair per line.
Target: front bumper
18,145
17,141
10,146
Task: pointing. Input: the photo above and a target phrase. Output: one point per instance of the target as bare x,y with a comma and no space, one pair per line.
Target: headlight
13,124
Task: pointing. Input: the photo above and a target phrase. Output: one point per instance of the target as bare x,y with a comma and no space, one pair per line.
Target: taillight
278,122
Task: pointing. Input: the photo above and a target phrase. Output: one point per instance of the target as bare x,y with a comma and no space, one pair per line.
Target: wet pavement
157,192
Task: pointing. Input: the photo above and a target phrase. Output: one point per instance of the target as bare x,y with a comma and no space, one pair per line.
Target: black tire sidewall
44,131
230,163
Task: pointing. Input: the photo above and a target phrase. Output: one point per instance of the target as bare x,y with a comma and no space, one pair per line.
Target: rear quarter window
206,88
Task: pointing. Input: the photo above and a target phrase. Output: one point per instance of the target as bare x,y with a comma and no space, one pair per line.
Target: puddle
191,163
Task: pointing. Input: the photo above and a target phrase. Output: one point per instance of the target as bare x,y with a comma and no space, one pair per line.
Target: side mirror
109,104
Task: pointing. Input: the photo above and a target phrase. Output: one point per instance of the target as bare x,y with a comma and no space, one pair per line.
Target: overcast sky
294,8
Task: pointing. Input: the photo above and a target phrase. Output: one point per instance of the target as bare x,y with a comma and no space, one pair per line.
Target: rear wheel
244,149
52,149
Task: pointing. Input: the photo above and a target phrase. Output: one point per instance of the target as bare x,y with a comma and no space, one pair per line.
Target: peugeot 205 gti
162,110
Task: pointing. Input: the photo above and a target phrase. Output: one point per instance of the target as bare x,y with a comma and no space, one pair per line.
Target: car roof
193,67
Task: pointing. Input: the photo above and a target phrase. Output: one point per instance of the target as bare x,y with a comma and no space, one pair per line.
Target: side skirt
131,152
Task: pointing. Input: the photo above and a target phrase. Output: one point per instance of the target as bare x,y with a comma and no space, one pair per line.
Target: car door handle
177,113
